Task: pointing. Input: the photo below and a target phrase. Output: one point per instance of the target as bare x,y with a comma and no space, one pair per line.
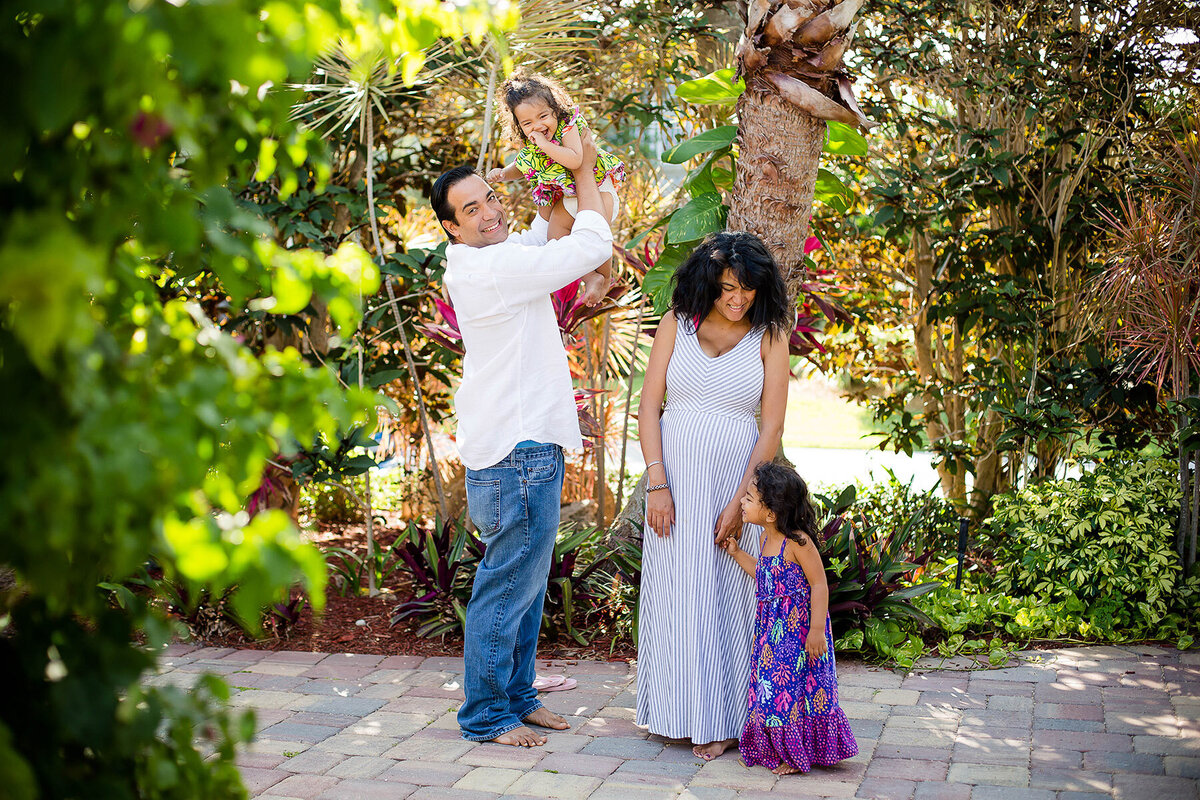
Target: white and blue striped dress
696,614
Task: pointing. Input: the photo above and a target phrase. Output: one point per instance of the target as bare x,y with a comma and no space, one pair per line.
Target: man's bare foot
545,718
521,737
595,286
713,749
785,769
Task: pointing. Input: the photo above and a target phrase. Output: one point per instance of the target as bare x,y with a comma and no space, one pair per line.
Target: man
516,413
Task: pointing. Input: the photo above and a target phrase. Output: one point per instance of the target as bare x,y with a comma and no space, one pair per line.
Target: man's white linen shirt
516,384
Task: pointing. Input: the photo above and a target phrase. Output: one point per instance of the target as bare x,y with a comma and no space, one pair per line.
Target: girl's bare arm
569,153
809,559
509,173
743,559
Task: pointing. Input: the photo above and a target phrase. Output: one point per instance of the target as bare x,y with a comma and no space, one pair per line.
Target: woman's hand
660,511
815,645
730,522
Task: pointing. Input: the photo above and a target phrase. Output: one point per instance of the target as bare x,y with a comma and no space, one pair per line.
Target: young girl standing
545,123
795,720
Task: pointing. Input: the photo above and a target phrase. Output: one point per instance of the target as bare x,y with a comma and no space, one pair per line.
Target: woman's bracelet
656,487
652,463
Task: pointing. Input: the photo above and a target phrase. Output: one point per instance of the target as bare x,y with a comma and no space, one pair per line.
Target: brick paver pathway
1071,724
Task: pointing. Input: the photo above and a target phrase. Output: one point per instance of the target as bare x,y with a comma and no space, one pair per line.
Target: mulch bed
362,624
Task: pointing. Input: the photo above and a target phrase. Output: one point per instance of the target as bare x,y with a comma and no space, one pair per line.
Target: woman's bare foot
713,749
545,718
521,737
785,769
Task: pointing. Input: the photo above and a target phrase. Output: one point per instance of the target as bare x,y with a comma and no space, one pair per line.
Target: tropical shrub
1104,538
892,504
443,558
975,619
572,594
140,427
351,573
871,571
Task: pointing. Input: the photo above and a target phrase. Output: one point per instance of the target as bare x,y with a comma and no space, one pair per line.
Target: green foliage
978,620
86,728
701,216
715,88
351,572
1105,538
572,596
994,169
842,140
329,501
704,142
443,558
1083,559
890,504
142,426
869,568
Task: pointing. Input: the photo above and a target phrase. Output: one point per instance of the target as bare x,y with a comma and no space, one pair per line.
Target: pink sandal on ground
554,683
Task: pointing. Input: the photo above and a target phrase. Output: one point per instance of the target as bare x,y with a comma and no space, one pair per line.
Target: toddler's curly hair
525,85
786,494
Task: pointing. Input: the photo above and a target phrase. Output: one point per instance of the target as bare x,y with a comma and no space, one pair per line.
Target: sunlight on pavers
1099,721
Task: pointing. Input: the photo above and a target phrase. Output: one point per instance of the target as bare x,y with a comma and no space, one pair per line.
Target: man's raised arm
586,191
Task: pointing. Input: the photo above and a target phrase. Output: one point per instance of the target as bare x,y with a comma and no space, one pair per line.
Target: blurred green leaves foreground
133,427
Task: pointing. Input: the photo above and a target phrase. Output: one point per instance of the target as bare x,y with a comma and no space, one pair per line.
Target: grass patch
817,416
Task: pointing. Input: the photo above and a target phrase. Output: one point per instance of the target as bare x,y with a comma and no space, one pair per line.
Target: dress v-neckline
703,352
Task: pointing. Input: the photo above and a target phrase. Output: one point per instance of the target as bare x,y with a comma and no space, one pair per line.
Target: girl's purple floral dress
794,713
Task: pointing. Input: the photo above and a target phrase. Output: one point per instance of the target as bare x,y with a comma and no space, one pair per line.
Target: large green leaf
701,180
715,88
832,192
657,284
704,142
842,140
701,216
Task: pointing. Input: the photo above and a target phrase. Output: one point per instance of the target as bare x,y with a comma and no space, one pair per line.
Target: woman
720,353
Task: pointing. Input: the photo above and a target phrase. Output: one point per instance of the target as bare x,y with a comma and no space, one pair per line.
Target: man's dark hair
441,188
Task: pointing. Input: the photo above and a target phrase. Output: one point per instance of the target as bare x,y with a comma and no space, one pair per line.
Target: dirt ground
362,624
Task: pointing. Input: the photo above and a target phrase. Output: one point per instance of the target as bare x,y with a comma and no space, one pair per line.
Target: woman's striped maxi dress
696,614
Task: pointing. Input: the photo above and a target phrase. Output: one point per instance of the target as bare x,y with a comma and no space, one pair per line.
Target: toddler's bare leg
561,222
597,284
544,212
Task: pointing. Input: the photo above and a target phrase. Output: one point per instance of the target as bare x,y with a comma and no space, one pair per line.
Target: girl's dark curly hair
698,281
525,85
785,494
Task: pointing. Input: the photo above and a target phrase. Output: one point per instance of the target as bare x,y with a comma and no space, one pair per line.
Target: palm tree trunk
780,149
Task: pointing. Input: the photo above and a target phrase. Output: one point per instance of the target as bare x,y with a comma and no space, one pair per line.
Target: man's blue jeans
515,504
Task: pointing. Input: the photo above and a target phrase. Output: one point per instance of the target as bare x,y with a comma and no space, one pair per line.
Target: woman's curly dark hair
698,281
524,85
785,494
